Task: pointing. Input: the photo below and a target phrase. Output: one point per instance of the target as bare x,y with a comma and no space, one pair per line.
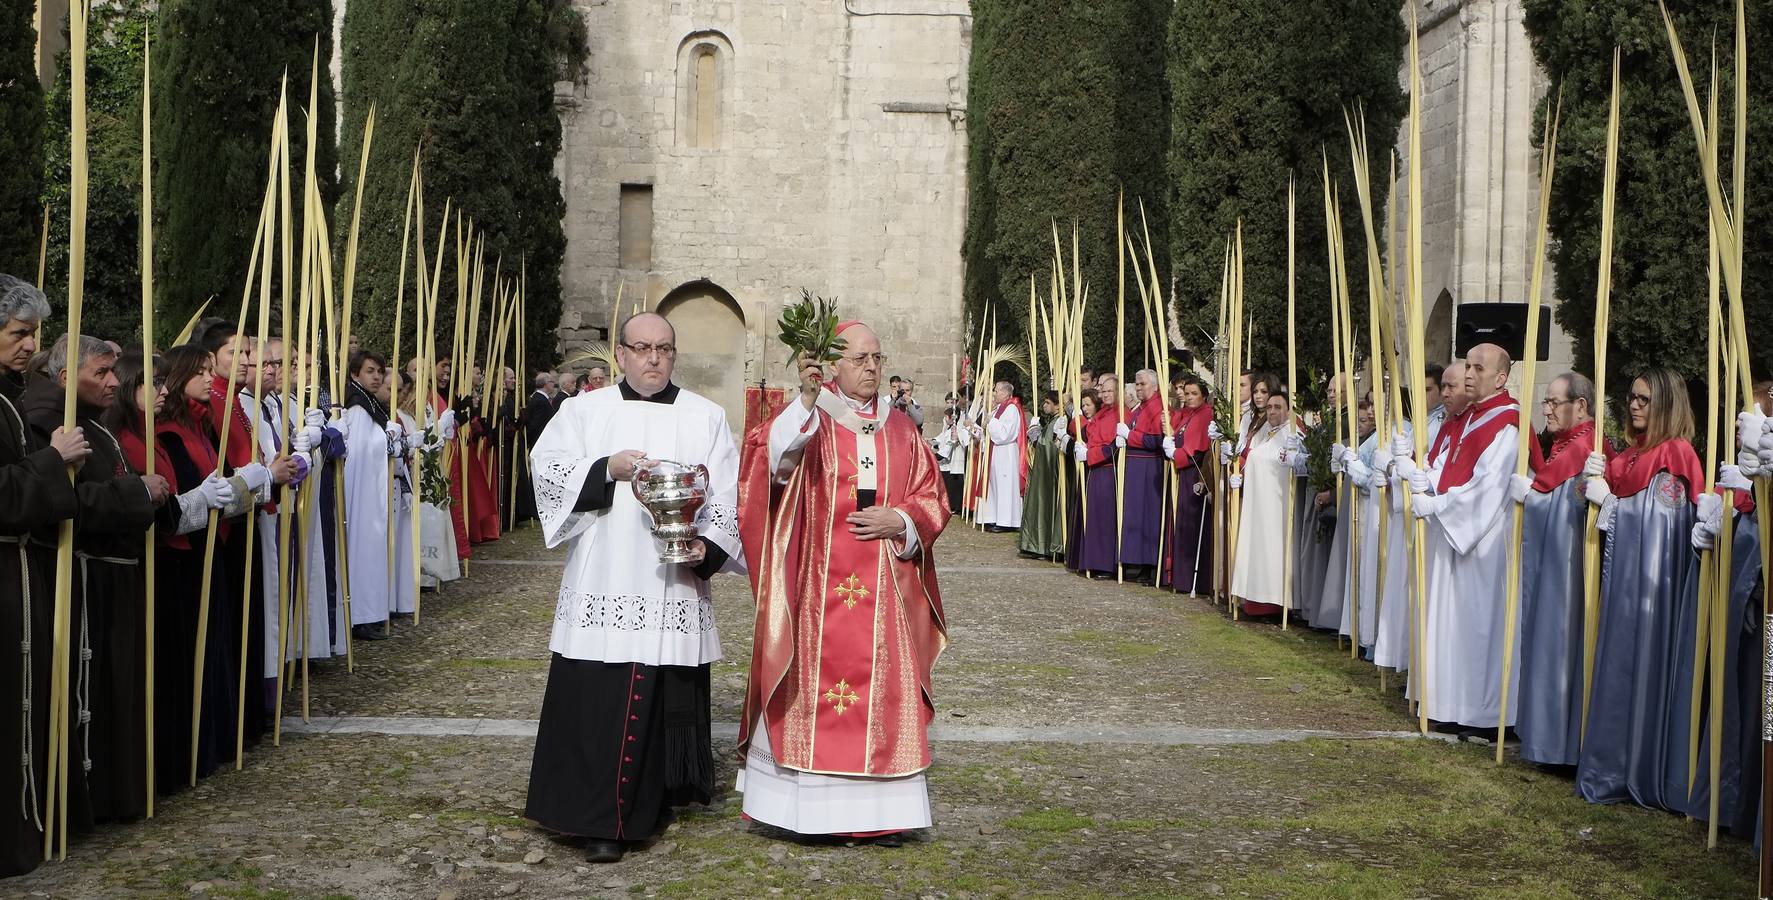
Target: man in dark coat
34,481
107,776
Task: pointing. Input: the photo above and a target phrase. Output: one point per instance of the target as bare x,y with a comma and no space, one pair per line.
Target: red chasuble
1569,453
846,631
1477,428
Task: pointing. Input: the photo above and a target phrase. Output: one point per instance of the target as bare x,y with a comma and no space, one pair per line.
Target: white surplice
366,511
1262,525
1467,563
1002,503
618,602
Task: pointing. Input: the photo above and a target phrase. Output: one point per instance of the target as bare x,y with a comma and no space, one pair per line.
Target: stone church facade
721,156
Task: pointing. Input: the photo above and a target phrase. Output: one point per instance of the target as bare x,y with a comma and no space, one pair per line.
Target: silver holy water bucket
672,493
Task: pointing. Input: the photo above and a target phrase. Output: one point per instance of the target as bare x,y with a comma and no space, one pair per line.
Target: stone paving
1092,739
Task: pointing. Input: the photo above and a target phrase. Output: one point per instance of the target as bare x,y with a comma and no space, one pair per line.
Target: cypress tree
1067,106
21,141
472,83
222,66
114,57
1259,91
1659,237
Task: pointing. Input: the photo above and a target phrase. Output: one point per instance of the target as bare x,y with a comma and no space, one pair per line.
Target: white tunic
366,512
1262,525
1391,638
1002,504
617,602
1467,563
951,449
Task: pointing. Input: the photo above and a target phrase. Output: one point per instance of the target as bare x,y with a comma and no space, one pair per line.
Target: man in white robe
1001,507
367,485
625,731
1465,498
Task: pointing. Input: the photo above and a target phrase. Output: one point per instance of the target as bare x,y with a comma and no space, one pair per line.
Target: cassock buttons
637,696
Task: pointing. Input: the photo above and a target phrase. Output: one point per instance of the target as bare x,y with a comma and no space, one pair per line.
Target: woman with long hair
1099,534
1634,744
1190,566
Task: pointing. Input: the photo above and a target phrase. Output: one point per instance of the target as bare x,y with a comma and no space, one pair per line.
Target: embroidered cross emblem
866,463
851,591
841,696
868,429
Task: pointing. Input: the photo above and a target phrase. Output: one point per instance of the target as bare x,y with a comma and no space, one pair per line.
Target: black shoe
603,851
369,632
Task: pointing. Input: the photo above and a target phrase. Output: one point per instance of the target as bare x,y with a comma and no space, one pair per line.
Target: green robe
1040,534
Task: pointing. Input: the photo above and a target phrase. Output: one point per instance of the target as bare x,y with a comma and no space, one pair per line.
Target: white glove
255,475
1595,466
315,417
1750,426
1767,436
343,429
1120,442
1213,432
1731,478
1034,430
1059,426
306,439
1122,431
1336,451
1080,452
414,441
1609,511
1237,482
1360,472
1170,447
216,492
1401,445
1403,467
1710,520
394,431
1750,465
1382,457
446,424
1422,505
1419,483
1294,441
1597,491
1225,454
1350,457
1518,488
1766,459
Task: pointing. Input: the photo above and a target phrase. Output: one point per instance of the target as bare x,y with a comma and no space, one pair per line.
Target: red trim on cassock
1630,472
1471,443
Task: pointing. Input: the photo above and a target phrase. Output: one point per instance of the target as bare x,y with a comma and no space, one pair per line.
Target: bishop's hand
876,523
623,465
812,377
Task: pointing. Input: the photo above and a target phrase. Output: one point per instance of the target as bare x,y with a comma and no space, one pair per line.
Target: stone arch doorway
710,344
1440,329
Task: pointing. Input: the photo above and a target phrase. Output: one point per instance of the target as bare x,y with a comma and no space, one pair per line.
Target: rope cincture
83,684
27,793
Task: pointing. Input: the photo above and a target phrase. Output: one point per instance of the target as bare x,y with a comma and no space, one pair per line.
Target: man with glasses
1551,613
1464,495
842,503
625,731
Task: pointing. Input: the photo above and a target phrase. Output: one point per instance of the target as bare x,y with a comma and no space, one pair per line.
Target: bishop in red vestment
840,505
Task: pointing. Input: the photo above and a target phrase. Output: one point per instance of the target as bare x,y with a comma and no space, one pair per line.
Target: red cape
1631,471
846,632
1569,451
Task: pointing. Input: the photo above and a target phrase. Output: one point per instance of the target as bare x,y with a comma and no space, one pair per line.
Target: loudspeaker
1503,324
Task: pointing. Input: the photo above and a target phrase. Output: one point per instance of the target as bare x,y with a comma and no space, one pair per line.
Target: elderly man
625,732
596,379
834,732
569,388
1006,460
1464,495
541,406
116,506
1550,721
34,481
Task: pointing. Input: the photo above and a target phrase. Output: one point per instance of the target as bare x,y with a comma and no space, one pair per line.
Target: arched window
704,66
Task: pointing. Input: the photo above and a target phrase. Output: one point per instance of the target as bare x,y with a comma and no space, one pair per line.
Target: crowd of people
1287,522
266,484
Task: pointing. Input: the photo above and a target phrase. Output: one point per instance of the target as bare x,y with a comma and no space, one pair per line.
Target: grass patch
1049,820
1120,648
478,817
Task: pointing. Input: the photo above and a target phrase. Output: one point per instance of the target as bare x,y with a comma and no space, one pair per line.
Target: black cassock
106,621
35,494
619,744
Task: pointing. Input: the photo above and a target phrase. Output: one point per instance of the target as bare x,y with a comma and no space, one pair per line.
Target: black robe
619,744
37,495
106,619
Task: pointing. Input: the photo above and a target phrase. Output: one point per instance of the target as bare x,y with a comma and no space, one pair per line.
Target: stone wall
840,168
1480,178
